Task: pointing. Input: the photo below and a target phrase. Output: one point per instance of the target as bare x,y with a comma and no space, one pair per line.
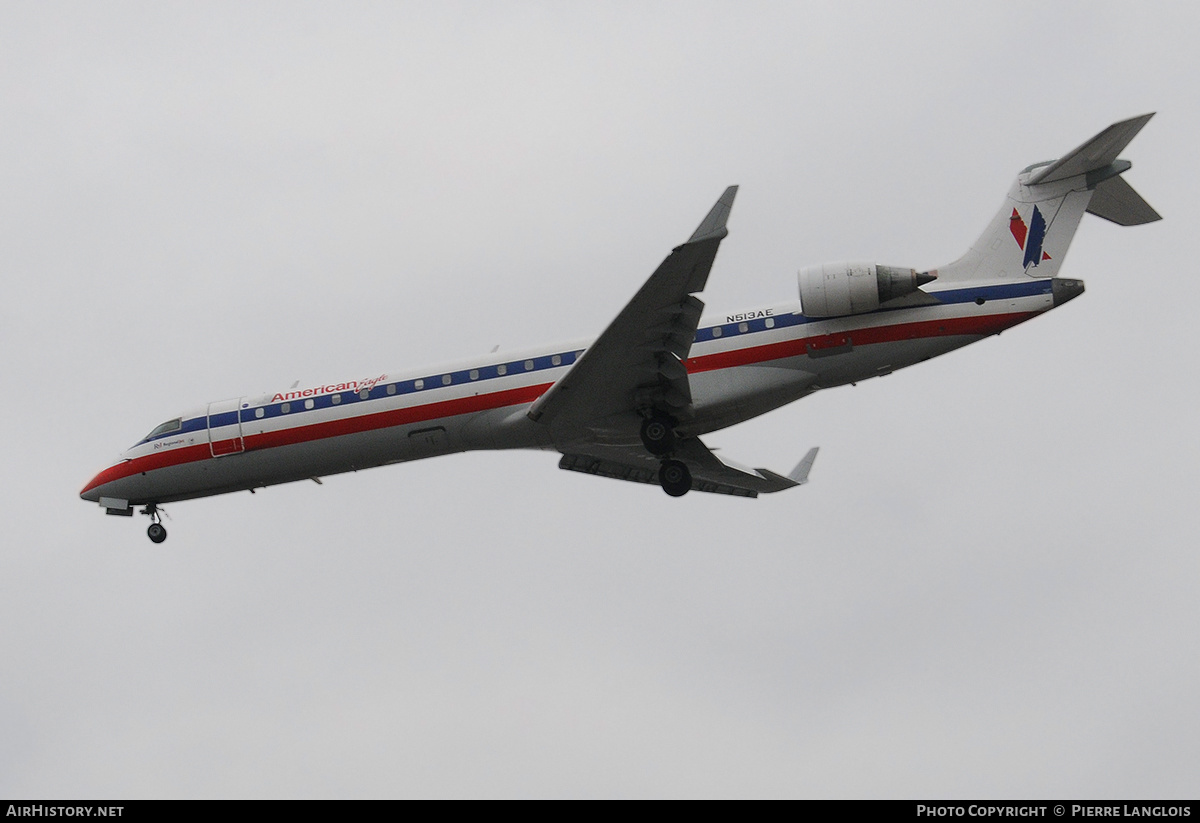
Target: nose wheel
157,532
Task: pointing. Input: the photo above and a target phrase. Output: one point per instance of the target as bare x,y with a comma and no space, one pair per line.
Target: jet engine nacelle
837,289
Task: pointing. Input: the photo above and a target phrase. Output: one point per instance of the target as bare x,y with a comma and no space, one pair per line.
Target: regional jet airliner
633,403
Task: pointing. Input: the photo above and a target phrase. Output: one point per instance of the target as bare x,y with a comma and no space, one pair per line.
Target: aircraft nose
95,488
91,492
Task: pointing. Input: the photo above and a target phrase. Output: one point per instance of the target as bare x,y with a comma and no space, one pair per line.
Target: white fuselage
739,366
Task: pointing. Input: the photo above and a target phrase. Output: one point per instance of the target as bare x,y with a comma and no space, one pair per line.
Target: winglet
799,475
796,477
1095,154
713,226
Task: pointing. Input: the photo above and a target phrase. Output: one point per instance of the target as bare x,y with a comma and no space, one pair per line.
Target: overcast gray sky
988,588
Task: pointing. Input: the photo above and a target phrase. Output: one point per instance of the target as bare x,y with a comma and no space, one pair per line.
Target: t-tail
1030,235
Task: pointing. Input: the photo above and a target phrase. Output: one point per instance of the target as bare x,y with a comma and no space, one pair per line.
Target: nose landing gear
157,532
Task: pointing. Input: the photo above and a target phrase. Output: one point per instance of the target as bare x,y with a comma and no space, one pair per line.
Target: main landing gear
658,434
675,478
659,438
157,531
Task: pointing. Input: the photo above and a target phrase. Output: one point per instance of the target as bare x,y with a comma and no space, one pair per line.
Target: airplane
633,403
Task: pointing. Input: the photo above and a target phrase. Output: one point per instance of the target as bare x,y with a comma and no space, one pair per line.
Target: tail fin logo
1029,238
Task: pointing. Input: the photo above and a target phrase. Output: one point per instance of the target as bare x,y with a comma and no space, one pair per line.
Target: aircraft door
225,427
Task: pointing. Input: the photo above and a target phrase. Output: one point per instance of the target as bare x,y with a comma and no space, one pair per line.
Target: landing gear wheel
675,478
157,532
658,434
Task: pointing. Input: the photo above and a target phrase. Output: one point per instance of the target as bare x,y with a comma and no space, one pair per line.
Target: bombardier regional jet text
633,403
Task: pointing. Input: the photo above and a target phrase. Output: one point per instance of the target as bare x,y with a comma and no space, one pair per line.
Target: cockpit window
166,428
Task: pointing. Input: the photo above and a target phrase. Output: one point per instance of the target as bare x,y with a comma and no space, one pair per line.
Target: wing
637,362
710,473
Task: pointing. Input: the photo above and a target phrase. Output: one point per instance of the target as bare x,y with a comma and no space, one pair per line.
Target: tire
657,435
675,478
157,533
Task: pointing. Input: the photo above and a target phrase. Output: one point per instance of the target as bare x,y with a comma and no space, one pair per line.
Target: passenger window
770,323
337,398
259,412
419,384
716,331
391,388
285,408
528,365
474,374
502,370
743,327
308,404
364,394
556,360
446,379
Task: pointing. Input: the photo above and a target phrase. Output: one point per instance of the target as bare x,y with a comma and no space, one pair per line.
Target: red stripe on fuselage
948,327
396,417
330,428
149,462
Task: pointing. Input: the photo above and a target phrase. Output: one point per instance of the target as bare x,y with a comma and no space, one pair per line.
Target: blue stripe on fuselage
1029,288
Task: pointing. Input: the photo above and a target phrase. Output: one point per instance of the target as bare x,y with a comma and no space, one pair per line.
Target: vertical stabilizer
1031,233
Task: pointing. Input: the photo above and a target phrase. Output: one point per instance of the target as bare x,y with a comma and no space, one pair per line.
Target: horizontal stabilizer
1115,200
1095,154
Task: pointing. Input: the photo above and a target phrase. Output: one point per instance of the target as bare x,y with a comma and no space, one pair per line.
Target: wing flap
640,474
710,473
